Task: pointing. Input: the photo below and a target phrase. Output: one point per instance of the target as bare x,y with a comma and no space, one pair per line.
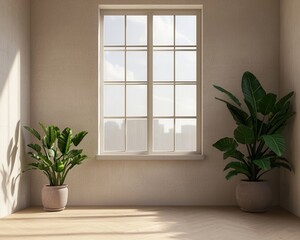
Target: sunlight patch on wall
10,138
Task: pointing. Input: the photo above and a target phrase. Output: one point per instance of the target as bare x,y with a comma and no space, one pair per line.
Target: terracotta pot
254,196
54,198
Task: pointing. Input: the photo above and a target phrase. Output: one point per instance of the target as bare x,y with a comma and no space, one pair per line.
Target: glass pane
114,135
163,30
136,30
114,101
163,135
185,66
185,134
136,100
114,30
185,33
185,103
136,66
163,100
136,135
114,66
163,66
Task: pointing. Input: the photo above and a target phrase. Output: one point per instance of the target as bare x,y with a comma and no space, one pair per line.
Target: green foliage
259,129
53,154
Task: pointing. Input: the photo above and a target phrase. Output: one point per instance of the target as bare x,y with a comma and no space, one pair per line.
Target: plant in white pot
259,130
55,156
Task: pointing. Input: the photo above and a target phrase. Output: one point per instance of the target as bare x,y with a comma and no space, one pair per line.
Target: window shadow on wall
12,172
14,102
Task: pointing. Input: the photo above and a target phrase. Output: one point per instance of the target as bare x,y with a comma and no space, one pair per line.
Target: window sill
152,157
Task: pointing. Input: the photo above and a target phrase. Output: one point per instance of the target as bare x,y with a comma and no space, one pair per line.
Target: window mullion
150,82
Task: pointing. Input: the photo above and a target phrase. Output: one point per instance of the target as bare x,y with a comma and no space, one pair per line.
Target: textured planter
54,198
254,196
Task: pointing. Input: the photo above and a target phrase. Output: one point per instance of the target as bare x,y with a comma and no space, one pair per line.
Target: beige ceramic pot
254,196
54,198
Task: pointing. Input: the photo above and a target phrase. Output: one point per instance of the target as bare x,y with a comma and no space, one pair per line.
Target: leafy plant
53,154
259,129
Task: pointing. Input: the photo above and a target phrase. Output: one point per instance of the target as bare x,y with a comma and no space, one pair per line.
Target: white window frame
145,10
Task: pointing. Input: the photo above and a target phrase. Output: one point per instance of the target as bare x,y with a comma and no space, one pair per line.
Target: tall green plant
54,155
259,129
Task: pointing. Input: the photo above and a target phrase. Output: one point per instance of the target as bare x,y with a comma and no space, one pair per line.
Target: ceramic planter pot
254,196
54,198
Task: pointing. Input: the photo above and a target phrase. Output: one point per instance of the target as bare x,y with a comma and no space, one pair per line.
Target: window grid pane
114,135
136,101
163,30
163,135
136,134
115,37
136,32
185,131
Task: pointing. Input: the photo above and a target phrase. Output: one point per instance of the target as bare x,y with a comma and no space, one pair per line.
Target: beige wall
289,81
14,102
239,35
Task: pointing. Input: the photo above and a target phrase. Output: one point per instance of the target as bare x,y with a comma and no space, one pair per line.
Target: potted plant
257,145
55,157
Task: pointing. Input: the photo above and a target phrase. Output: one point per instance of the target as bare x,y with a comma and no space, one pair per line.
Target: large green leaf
78,137
279,113
229,94
51,136
45,159
238,114
284,165
34,165
267,104
252,90
231,174
34,155
239,167
35,147
65,140
74,153
279,122
263,163
250,109
33,132
281,162
78,159
43,127
38,166
275,142
283,101
233,153
244,134
262,127
225,144
59,166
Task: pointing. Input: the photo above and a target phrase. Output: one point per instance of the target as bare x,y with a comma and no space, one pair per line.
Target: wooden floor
207,223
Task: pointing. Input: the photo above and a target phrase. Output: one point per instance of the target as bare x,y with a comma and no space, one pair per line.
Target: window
150,83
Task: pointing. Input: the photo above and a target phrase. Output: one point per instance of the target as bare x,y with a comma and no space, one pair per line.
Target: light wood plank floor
207,223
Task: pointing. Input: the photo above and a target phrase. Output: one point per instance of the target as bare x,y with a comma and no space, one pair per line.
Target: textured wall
289,81
14,102
239,35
